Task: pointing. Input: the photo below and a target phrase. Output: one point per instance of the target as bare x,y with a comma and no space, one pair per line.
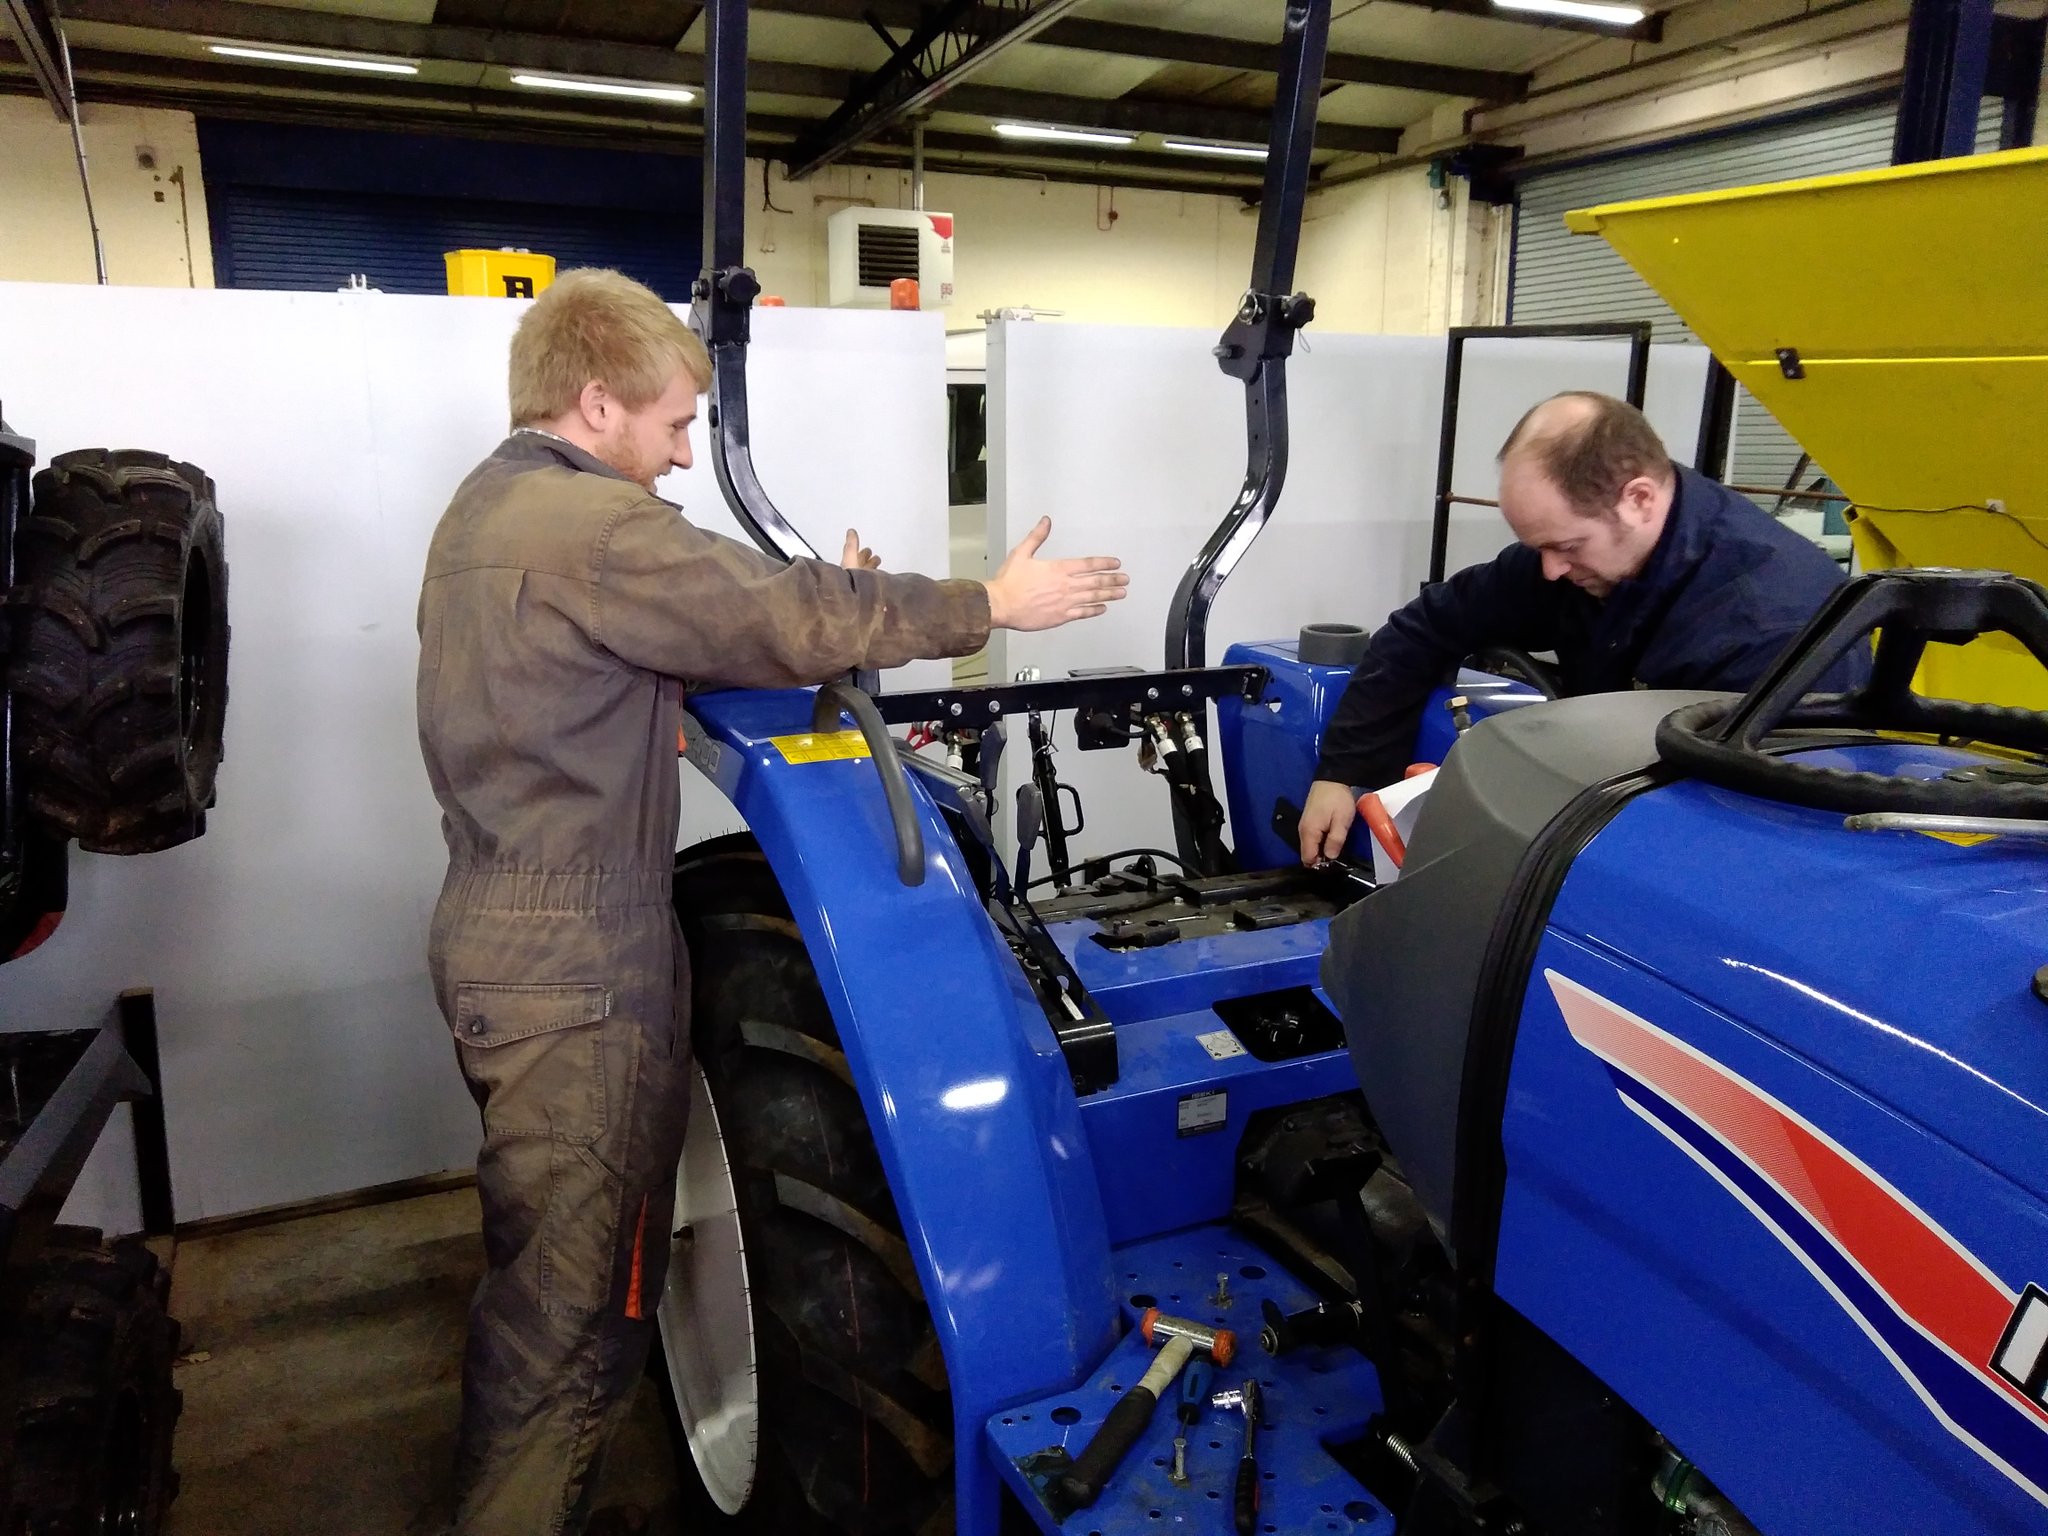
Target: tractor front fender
965,1088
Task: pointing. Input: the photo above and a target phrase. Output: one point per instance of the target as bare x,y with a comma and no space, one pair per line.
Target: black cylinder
1333,645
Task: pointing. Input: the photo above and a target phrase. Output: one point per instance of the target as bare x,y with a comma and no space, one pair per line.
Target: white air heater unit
869,248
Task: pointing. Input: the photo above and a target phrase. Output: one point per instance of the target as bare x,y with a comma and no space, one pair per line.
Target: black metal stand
1635,332
137,1011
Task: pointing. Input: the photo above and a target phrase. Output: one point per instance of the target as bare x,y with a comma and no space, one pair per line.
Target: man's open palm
1029,593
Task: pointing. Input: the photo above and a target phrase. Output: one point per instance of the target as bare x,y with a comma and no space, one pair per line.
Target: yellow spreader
1896,323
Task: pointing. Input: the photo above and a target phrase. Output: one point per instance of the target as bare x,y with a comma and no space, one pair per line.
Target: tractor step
1313,1399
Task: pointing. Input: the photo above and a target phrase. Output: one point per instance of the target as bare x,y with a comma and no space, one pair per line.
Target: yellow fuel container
500,274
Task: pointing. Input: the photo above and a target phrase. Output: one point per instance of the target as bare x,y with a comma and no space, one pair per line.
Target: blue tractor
1656,1154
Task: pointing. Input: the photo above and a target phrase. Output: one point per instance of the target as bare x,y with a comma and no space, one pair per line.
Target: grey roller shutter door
1562,277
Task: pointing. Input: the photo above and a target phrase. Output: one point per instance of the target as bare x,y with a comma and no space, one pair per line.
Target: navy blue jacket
1724,590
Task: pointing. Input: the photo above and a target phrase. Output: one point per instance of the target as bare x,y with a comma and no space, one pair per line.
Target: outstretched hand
856,556
1029,593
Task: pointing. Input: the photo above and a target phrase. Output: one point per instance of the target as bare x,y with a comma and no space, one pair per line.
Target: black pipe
825,711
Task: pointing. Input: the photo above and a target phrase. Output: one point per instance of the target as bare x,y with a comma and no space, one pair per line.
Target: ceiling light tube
1064,135
1578,10
314,60
605,88
1234,151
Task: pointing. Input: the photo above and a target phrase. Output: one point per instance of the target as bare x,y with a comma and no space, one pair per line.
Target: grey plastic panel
1403,965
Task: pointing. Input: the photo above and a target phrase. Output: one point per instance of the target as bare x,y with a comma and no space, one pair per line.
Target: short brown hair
596,324
1591,457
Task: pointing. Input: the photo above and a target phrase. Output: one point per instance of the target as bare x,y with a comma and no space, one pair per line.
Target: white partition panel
1134,443
301,1048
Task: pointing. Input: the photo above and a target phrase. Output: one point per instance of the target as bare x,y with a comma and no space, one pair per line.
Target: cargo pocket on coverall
538,1052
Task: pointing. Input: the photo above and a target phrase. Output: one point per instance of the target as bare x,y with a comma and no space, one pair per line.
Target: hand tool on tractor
1194,1396
1177,1339
1245,1501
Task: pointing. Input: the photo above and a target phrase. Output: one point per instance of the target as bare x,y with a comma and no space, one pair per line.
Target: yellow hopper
1896,322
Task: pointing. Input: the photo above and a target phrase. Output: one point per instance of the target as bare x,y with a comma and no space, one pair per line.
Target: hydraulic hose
837,698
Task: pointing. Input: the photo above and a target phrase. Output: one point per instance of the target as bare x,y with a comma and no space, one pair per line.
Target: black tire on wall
855,1430
119,663
94,1407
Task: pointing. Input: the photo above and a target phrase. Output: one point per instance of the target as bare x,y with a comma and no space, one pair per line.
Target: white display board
1134,443
302,1052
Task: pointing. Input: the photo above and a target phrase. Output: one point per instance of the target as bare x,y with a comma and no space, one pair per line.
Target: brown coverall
562,607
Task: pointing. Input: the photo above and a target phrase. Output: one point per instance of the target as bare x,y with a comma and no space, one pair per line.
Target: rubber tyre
120,649
855,1430
96,1409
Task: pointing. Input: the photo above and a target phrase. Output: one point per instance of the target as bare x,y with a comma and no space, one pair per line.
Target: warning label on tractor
1201,1112
1221,1045
825,747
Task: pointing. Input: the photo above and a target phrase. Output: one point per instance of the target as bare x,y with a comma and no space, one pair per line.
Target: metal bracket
724,293
1256,343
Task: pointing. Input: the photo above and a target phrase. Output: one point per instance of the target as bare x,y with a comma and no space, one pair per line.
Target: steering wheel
838,697
1508,661
1724,741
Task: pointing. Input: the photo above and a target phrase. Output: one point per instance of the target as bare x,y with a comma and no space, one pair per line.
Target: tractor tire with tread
855,1429
120,648
95,1408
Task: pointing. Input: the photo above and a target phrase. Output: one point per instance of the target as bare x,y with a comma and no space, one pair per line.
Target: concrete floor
322,1378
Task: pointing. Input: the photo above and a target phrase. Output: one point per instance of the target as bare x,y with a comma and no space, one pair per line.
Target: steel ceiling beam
189,85
199,79
1264,58
35,36
1108,167
1173,47
632,61
949,45
1172,118
293,28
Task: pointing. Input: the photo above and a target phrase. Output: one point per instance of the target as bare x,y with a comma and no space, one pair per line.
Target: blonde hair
596,324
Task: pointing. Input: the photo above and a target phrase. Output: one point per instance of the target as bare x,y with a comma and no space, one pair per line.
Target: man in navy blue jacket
1633,570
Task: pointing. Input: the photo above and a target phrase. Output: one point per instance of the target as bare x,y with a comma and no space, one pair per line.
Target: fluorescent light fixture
1577,10
314,60
605,88
1234,151
1064,135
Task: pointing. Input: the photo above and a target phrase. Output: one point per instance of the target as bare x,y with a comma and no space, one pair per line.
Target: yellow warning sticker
824,747
1961,839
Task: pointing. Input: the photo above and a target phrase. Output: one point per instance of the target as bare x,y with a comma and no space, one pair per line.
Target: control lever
1030,823
1046,777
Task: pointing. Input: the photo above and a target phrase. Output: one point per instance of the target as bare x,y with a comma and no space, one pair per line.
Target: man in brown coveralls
564,611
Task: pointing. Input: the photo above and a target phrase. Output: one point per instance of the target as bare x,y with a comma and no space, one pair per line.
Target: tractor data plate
821,747
1313,1398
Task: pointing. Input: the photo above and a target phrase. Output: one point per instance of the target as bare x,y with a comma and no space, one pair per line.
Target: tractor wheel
798,1358
95,1405
120,649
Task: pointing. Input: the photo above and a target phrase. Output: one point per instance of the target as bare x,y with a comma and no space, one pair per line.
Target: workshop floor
322,1376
